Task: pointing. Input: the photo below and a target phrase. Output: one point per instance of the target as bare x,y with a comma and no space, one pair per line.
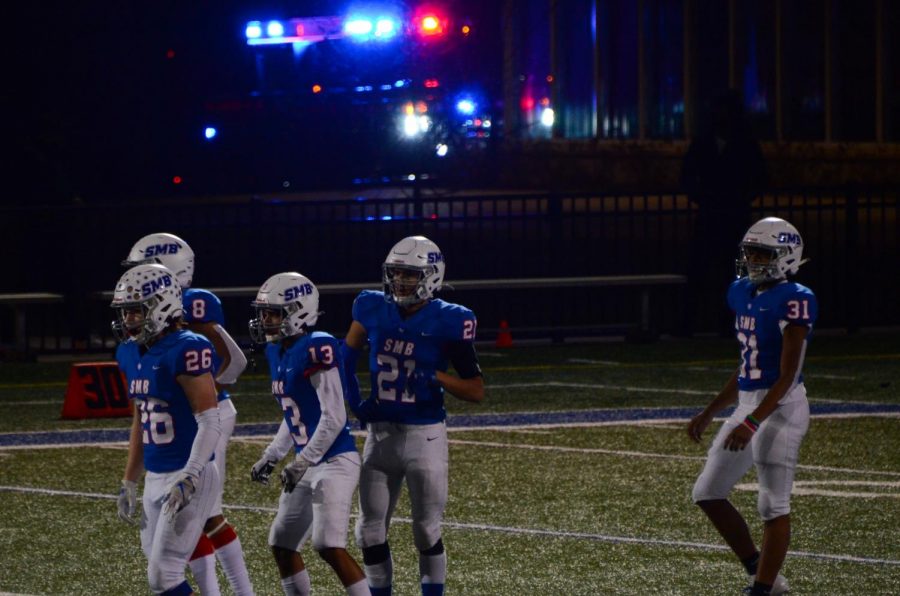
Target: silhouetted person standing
722,173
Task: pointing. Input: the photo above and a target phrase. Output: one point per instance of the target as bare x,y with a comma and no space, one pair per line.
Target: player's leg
222,535
721,472
203,567
290,530
175,540
333,486
775,452
426,476
381,478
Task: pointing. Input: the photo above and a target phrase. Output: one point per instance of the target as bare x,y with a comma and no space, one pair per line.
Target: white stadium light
547,117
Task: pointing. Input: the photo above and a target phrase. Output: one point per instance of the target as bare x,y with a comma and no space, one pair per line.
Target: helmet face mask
167,250
147,301
286,305
413,271
770,251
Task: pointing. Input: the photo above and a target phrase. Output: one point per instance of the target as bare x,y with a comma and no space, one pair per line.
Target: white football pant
773,449
319,506
394,451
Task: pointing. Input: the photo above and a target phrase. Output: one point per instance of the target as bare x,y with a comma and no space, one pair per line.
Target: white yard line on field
596,386
617,452
509,530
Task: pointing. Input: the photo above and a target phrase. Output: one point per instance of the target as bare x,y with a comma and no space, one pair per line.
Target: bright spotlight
253,30
275,29
210,132
358,26
385,28
441,150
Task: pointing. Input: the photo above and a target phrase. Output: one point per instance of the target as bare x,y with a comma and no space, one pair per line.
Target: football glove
127,501
422,382
364,411
180,495
293,472
262,470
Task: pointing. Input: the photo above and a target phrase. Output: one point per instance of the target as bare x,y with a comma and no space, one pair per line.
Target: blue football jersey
398,346
167,420
759,322
291,370
202,306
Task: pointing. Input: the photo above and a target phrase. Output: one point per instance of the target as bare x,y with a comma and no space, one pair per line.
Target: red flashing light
317,88
432,83
466,30
527,103
170,54
430,22
299,30
434,216
176,180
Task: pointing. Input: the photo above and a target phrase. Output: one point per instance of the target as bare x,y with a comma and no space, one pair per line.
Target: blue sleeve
323,353
193,356
800,307
458,323
733,295
202,306
365,308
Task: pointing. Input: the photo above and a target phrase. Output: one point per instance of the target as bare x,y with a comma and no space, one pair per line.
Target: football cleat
779,587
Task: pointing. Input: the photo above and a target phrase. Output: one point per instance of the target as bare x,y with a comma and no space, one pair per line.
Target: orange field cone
504,337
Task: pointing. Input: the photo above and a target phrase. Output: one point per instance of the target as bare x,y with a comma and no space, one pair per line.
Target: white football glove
127,501
293,472
262,469
180,495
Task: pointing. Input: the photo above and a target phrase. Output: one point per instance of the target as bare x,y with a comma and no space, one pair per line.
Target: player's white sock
380,575
231,556
433,571
297,584
204,570
360,588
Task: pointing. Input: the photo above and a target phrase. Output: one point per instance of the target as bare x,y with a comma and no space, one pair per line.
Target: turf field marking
507,530
596,386
808,488
622,453
589,361
32,403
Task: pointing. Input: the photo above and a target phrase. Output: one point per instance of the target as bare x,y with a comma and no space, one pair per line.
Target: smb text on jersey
760,320
398,346
291,370
167,420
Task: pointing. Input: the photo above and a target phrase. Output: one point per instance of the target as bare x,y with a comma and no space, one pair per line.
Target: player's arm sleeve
464,359
281,444
327,384
800,308
237,362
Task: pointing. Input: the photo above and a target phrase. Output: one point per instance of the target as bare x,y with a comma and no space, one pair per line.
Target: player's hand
697,425
738,438
127,501
293,472
422,382
262,469
180,494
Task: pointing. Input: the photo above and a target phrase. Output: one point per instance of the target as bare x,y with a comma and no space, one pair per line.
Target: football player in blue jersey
774,318
175,427
203,314
412,337
308,384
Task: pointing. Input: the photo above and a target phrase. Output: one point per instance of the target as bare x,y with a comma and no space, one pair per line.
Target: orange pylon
504,337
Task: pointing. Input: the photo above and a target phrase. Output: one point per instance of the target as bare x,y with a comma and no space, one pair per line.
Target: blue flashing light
275,29
466,107
358,26
253,30
385,28
386,218
210,133
400,83
386,87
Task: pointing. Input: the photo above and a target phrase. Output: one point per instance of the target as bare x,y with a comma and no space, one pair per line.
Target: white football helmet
415,254
166,249
156,291
297,300
778,239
